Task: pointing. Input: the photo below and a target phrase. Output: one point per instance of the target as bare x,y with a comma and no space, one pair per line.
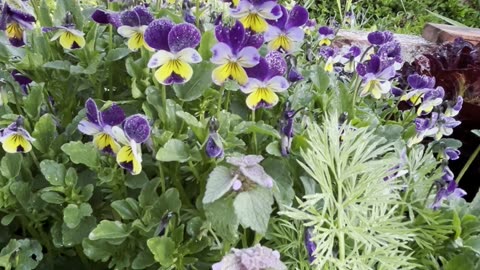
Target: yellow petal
281,42
235,2
16,143
177,67
261,95
238,73
106,143
254,22
136,41
325,42
71,41
230,70
127,160
14,31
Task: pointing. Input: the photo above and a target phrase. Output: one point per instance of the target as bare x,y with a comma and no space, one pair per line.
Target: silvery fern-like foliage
355,217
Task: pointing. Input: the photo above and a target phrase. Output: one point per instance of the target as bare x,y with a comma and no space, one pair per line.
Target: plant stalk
468,164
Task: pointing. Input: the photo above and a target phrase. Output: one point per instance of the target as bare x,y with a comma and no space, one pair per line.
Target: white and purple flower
134,24
15,139
253,14
285,32
376,75
16,17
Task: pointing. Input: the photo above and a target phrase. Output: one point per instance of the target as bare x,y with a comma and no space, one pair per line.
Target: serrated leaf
53,172
80,153
44,133
173,150
253,208
11,164
219,182
163,249
109,230
198,84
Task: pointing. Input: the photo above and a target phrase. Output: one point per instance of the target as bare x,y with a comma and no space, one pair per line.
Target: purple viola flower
432,98
309,26
285,32
135,131
69,37
451,153
256,257
350,18
107,17
445,125
176,45
286,129
251,170
391,50
420,85
233,54
453,109
351,59
15,139
134,24
294,75
310,244
16,17
326,35
447,190
22,80
99,124
424,127
265,80
376,75
253,14
214,146
379,37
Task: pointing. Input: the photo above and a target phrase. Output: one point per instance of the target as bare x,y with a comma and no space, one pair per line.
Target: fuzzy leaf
109,230
219,182
11,165
221,215
253,208
163,249
80,153
53,172
173,150
44,133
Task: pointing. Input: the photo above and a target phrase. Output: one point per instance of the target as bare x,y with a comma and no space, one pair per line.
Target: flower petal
270,10
136,41
119,135
16,143
255,22
221,54
248,57
137,128
259,71
272,33
126,159
88,128
92,111
252,85
184,35
105,143
276,64
68,40
113,116
298,17
277,84
172,68
160,58
231,69
262,98
296,34
189,55
242,9
156,34
127,31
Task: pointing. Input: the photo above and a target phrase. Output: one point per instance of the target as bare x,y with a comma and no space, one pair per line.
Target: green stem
220,97
162,177
341,236
227,101
468,164
181,190
254,134
35,159
244,239
197,13
164,103
194,171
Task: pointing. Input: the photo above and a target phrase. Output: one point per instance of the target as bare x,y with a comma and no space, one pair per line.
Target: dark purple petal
20,78
420,81
435,93
130,18
16,42
174,79
422,124
379,38
311,23
113,116
213,148
326,52
448,175
183,36
451,154
298,17
294,75
92,111
115,19
20,14
458,105
280,22
373,65
390,49
397,92
156,35
144,16
137,128
361,70
253,39
276,11
236,36
325,30
309,244
277,66
188,17
100,16
259,71
353,52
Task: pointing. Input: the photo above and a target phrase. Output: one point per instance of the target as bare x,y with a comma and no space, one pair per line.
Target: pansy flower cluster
16,139
117,135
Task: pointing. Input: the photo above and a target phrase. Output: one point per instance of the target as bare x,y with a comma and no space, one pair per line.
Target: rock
411,45
440,33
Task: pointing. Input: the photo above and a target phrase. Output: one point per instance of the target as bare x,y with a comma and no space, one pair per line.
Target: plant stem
181,190
162,177
468,164
220,98
341,236
254,134
227,101
244,239
164,103
197,13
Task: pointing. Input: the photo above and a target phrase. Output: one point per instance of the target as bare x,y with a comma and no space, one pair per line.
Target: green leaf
80,153
75,236
476,132
136,181
473,243
253,208
206,44
143,260
259,127
109,230
44,133
73,214
7,219
58,65
71,177
117,54
44,15
53,172
33,102
219,182
125,209
198,84
173,150
273,149
97,250
283,188
52,197
163,249
197,127
26,254
457,225
11,164
221,214
461,261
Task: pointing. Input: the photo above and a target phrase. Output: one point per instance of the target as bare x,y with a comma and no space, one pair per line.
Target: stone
440,33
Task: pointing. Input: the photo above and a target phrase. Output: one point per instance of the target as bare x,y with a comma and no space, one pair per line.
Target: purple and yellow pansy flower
265,80
70,38
285,32
176,50
134,23
236,50
99,124
420,85
136,130
326,35
253,14
15,139
107,17
16,17
376,75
